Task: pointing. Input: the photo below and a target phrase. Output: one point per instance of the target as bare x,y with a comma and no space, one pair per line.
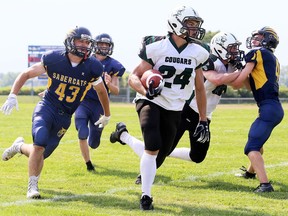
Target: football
149,75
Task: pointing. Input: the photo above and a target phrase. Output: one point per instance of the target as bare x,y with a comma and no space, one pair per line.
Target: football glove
9,104
202,132
102,121
238,66
154,92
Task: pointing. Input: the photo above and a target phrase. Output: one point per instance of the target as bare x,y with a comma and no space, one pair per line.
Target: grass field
180,188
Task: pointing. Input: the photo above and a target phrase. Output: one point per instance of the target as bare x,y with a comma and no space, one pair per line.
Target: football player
219,71
90,110
261,75
179,58
71,73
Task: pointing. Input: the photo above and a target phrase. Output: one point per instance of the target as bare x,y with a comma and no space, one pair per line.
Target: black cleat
90,166
138,179
246,174
264,187
115,135
146,203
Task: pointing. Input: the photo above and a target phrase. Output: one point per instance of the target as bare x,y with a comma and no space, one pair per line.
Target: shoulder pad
209,65
151,39
205,46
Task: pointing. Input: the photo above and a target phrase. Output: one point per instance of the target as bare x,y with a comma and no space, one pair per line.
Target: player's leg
149,117
82,115
170,122
197,151
42,121
122,136
187,122
270,115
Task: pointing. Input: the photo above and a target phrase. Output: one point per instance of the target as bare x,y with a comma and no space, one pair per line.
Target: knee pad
94,143
83,132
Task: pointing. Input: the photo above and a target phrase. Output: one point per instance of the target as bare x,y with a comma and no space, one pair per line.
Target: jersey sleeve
146,41
96,69
118,68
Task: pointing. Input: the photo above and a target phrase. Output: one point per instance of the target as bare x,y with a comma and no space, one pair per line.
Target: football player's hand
154,92
103,121
202,132
9,104
238,66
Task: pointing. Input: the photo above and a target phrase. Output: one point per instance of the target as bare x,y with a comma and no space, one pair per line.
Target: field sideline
180,188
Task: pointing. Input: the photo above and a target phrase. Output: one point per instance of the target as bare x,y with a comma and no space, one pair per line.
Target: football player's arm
220,78
11,102
243,78
104,100
200,94
103,97
134,78
201,133
112,83
31,72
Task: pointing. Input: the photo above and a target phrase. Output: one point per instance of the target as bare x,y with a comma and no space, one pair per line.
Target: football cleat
90,167
33,191
115,135
138,179
246,174
264,187
146,203
13,149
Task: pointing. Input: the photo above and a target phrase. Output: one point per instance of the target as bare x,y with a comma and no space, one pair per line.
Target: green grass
180,188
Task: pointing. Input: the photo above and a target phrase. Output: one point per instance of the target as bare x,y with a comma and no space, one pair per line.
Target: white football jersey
178,70
212,99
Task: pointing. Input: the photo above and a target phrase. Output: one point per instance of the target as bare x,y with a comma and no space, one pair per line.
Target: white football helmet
177,24
225,46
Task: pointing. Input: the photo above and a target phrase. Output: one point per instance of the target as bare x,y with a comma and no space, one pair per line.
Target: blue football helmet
79,33
270,40
104,38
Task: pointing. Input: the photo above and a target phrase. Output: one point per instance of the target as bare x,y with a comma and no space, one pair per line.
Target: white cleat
33,194
13,149
33,191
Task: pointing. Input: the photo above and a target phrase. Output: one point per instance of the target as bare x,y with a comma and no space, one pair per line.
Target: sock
181,153
148,172
136,145
266,184
34,178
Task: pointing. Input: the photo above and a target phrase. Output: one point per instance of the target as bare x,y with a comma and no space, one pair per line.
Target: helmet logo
85,36
221,40
179,12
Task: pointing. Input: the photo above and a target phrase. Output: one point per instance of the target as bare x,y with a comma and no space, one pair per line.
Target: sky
46,22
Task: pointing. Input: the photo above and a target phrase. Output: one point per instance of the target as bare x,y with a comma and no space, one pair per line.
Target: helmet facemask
192,30
234,53
226,47
180,21
269,41
104,50
84,35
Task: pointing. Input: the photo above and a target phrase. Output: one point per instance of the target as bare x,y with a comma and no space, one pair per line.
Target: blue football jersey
265,75
68,85
113,68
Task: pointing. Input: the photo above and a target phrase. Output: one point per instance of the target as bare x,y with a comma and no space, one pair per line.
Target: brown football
149,75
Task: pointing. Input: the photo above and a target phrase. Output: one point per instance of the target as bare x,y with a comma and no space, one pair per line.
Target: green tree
208,36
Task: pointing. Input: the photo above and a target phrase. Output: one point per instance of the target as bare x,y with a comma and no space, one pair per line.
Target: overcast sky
46,22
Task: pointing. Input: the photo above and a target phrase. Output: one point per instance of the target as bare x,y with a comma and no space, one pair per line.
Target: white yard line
115,190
